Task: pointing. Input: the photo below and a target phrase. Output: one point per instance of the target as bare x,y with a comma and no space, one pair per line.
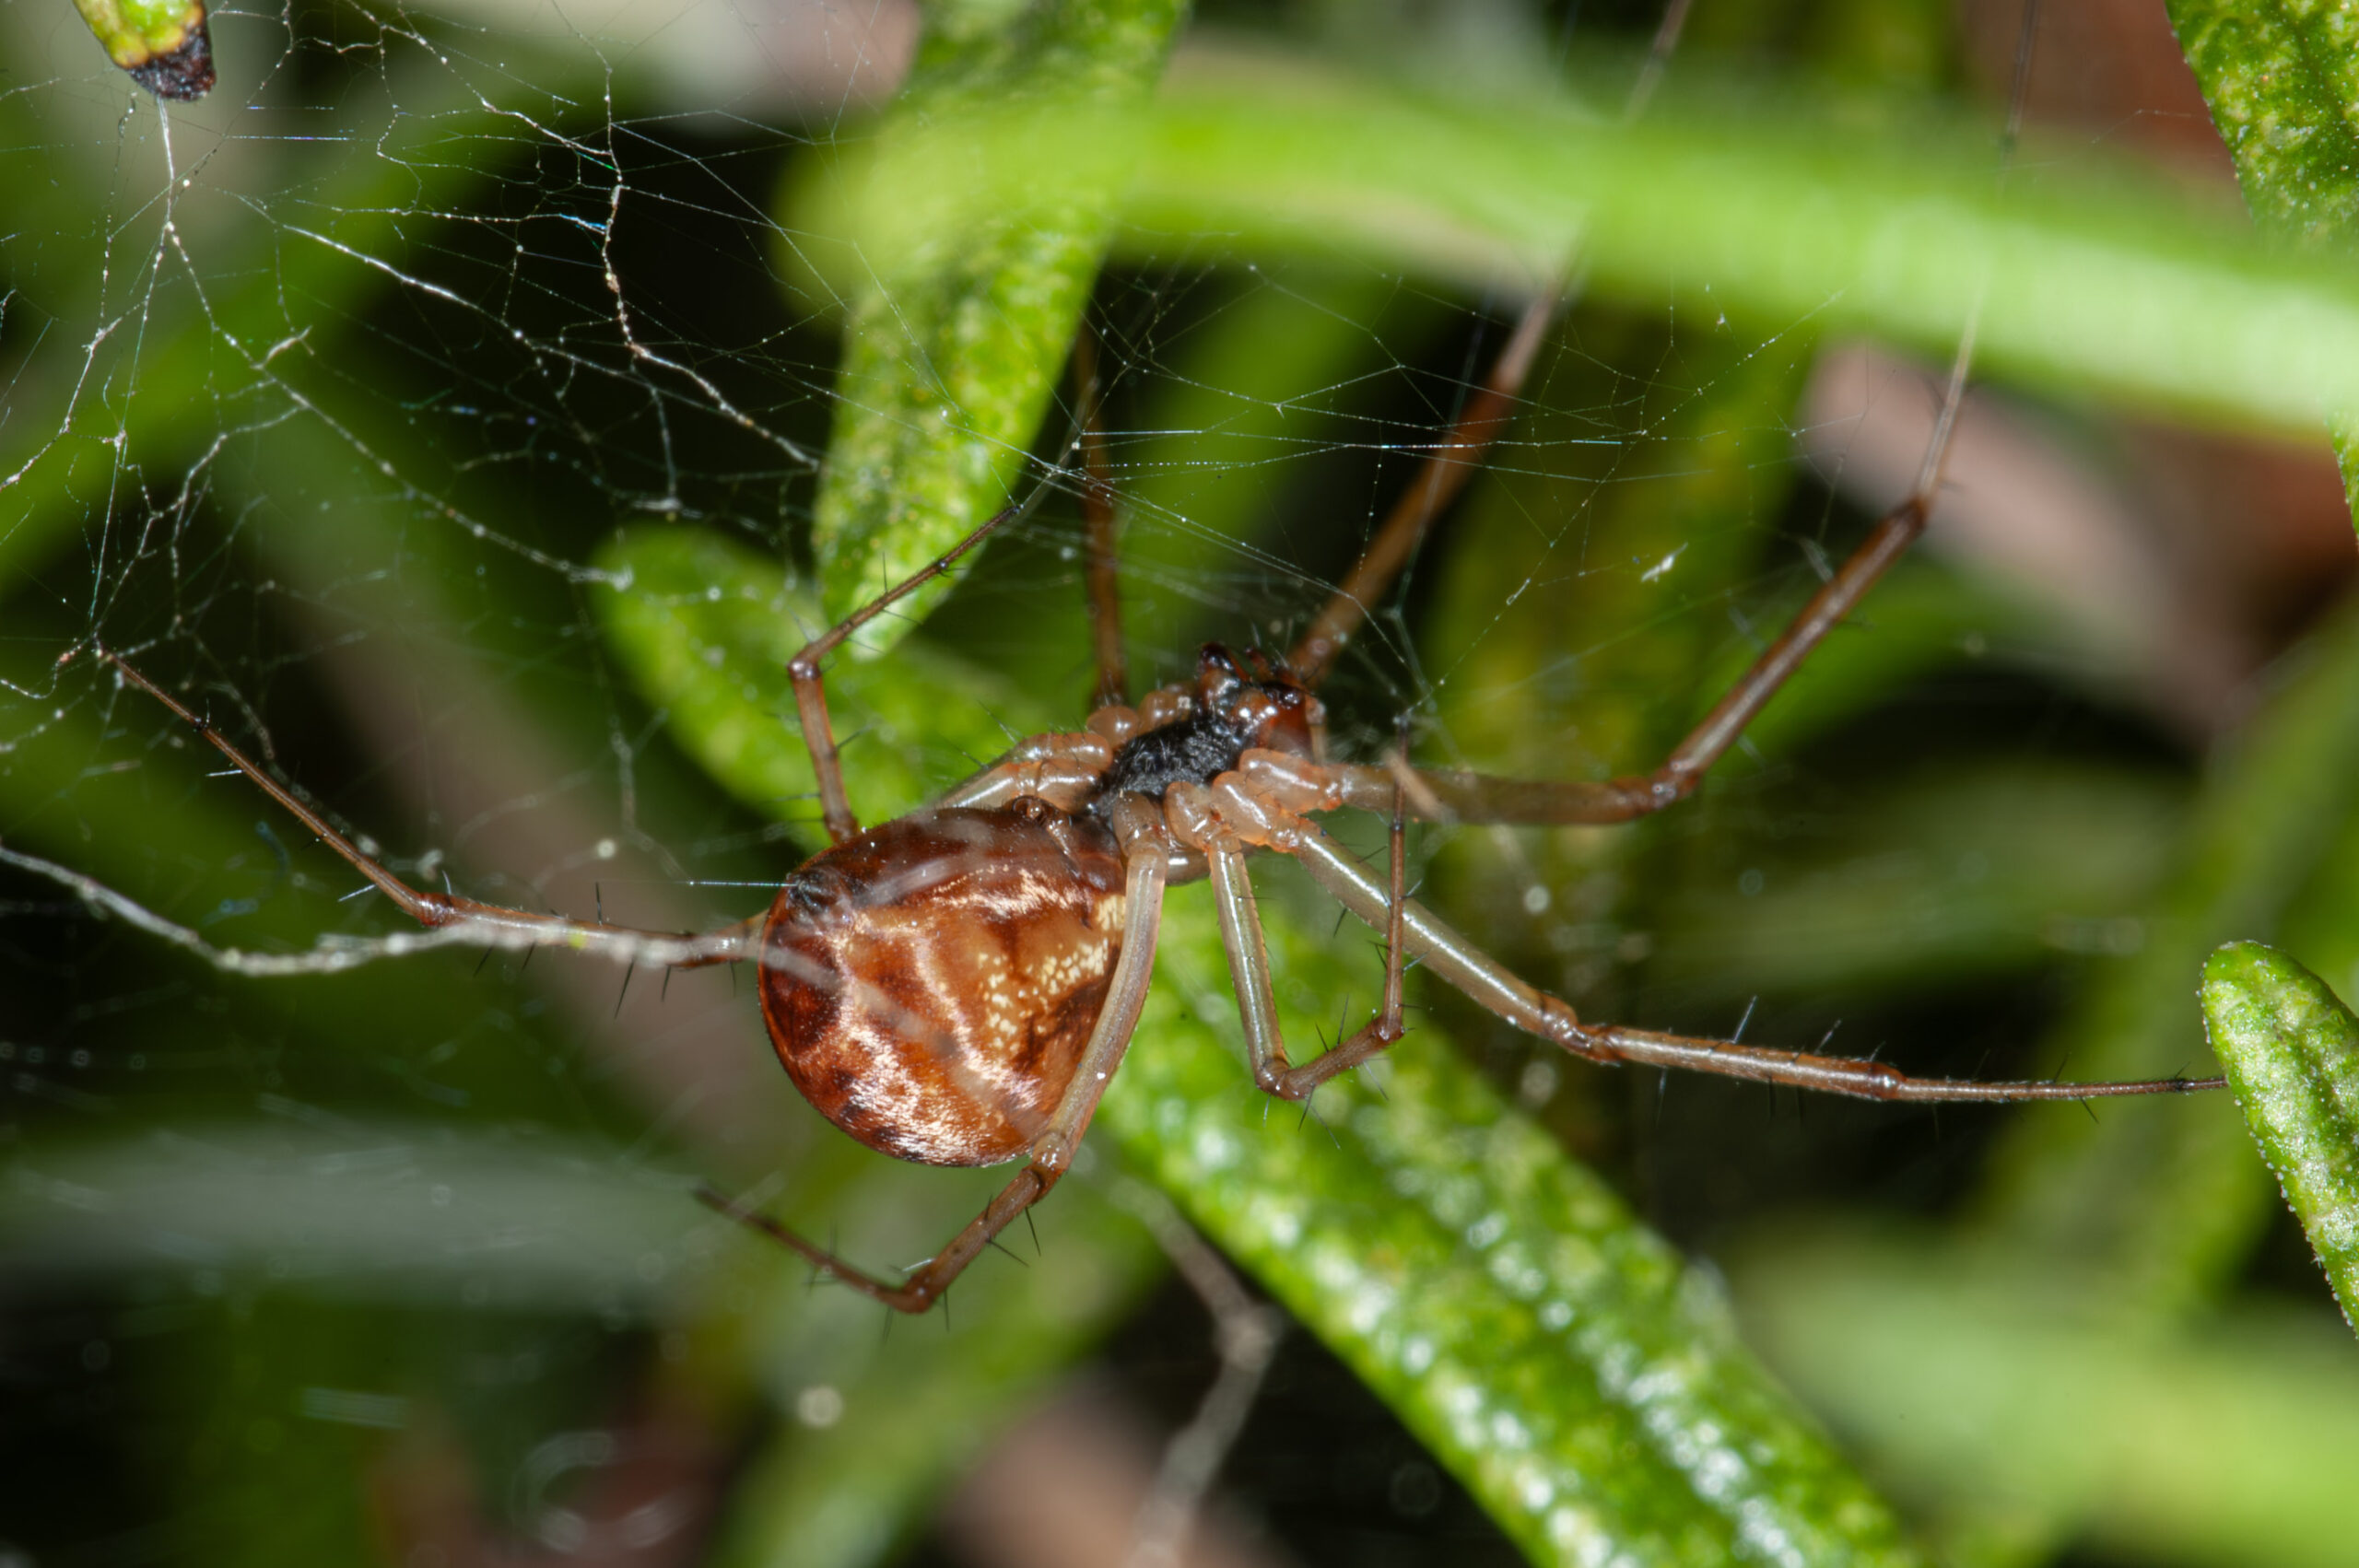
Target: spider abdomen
929,985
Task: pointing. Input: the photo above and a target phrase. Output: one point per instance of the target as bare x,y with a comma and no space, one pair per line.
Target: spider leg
1249,967
494,925
1446,471
1052,1149
1479,797
923,1289
1491,984
1062,769
1476,797
811,692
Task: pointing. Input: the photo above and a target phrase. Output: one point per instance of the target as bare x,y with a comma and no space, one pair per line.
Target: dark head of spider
1240,702
929,983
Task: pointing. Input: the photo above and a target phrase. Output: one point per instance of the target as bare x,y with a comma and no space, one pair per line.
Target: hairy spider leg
810,689
498,924
1450,465
1146,854
1248,969
1456,796
1447,466
1491,984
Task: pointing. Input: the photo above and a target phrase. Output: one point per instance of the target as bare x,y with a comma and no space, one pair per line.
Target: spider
957,986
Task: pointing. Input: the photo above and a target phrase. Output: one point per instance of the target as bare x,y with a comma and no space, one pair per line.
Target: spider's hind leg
923,1288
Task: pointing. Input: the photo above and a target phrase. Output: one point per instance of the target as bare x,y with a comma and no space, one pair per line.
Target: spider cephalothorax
1252,702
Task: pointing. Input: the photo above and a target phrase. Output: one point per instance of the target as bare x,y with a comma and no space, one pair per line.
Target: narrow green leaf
1780,212
1558,1357
414,1213
952,347
2291,1050
2281,79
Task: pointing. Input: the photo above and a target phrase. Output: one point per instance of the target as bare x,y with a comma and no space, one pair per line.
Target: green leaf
2282,78
2291,1050
1557,1356
1780,211
951,346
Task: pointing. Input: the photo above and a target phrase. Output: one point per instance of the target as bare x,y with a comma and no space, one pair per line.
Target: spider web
325,400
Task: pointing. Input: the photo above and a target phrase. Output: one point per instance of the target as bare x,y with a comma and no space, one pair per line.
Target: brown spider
957,986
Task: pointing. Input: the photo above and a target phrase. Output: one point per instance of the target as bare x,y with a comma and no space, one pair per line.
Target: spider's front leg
1261,805
488,925
810,686
1220,821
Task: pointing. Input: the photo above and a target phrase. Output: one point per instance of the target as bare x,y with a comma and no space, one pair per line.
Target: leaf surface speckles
2291,1050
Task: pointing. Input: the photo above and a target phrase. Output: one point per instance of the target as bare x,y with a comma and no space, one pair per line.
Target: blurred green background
472,409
